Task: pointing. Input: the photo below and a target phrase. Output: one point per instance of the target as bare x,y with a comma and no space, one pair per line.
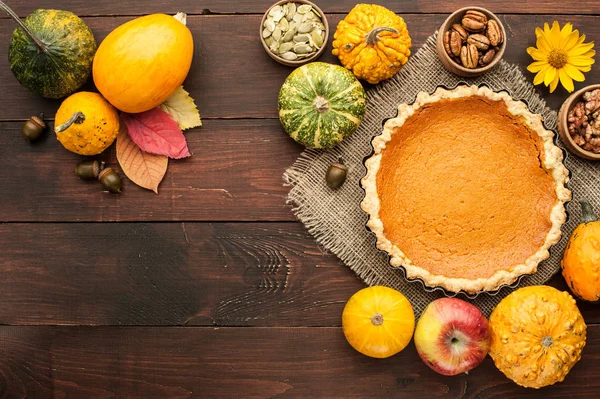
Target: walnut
577,119
592,136
592,103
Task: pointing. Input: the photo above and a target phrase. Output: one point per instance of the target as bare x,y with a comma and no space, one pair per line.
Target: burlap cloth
335,218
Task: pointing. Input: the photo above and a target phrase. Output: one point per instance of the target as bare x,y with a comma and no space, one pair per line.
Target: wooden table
210,289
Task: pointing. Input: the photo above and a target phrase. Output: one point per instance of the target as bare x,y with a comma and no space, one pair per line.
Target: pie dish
465,189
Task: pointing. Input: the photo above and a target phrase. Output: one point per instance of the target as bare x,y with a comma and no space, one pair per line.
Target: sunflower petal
546,29
539,78
537,54
566,29
566,81
581,49
555,35
580,61
554,84
574,73
538,32
536,66
550,75
580,40
585,69
543,44
571,40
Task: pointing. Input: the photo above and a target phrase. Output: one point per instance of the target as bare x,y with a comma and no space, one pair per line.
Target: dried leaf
145,170
156,132
183,109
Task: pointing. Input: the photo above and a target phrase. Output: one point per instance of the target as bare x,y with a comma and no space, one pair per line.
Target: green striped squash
321,104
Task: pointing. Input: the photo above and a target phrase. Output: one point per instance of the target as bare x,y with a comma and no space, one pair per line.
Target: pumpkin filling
462,188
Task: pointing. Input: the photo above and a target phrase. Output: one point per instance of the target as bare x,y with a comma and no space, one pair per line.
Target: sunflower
560,55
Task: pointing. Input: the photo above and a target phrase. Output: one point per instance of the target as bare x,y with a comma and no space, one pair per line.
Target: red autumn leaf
156,132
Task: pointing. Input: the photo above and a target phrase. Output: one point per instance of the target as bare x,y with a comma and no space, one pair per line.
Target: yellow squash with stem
378,321
86,123
581,260
373,42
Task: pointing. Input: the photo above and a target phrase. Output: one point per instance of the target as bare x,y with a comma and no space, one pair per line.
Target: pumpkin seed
319,18
297,18
266,33
301,38
302,48
289,35
284,24
278,16
277,34
305,27
304,8
317,38
289,56
269,41
275,10
285,47
290,11
270,24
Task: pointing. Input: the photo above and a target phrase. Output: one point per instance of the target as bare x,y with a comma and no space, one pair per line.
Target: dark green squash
51,52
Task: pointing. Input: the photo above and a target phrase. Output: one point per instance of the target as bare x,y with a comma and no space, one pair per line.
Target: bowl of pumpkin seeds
294,32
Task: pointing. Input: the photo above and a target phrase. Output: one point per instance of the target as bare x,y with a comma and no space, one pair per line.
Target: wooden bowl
455,18
303,61
563,125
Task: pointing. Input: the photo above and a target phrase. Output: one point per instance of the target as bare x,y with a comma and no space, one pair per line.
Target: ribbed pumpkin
51,52
581,260
321,104
538,335
142,62
373,42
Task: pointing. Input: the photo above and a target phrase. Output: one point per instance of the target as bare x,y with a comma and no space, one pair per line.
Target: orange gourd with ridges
142,62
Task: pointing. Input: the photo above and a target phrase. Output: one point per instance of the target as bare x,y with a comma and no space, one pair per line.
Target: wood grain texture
235,173
106,362
222,274
233,77
138,7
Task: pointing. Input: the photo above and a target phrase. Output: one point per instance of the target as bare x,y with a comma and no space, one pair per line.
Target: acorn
336,175
89,169
110,180
33,128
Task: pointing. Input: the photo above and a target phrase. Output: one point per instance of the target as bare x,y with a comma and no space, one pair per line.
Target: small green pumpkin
51,52
321,104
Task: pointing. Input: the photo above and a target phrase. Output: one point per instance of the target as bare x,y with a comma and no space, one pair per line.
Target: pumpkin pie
466,189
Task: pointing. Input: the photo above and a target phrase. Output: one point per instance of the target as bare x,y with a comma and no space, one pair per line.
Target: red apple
452,336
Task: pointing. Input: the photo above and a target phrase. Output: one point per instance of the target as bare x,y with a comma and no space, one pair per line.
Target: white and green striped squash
321,104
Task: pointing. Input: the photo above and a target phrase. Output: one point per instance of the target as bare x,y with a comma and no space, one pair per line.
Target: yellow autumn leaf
183,109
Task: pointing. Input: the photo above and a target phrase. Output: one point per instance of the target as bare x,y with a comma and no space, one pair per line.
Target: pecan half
446,42
479,41
461,31
487,57
494,33
474,21
455,43
469,56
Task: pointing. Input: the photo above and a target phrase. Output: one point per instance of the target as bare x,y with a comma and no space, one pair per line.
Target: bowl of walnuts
471,41
579,123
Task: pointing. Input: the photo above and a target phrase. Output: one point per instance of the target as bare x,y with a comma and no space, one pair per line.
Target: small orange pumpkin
378,321
581,260
142,62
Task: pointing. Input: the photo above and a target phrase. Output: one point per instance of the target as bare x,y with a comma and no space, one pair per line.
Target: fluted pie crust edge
553,164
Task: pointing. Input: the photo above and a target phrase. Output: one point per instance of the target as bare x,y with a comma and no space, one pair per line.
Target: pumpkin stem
11,13
377,319
547,341
587,212
373,36
321,104
77,117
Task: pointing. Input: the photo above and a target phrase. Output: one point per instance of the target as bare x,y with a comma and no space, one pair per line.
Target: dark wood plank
80,362
226,84
224,274
242,274
235,173
137,7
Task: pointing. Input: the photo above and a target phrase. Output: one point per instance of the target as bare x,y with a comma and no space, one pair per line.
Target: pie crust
550,160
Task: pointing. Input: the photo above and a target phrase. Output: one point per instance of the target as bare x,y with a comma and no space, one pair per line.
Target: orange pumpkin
142,62
378,321
581,260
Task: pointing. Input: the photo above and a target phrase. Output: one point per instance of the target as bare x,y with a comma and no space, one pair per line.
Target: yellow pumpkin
538,335
373,42
142,62
378,321
581,260
86,123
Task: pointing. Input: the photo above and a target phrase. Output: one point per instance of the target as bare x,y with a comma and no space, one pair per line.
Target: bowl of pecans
471,41
579,123
294,33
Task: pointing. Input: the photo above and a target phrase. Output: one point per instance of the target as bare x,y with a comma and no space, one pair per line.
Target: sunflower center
557,58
